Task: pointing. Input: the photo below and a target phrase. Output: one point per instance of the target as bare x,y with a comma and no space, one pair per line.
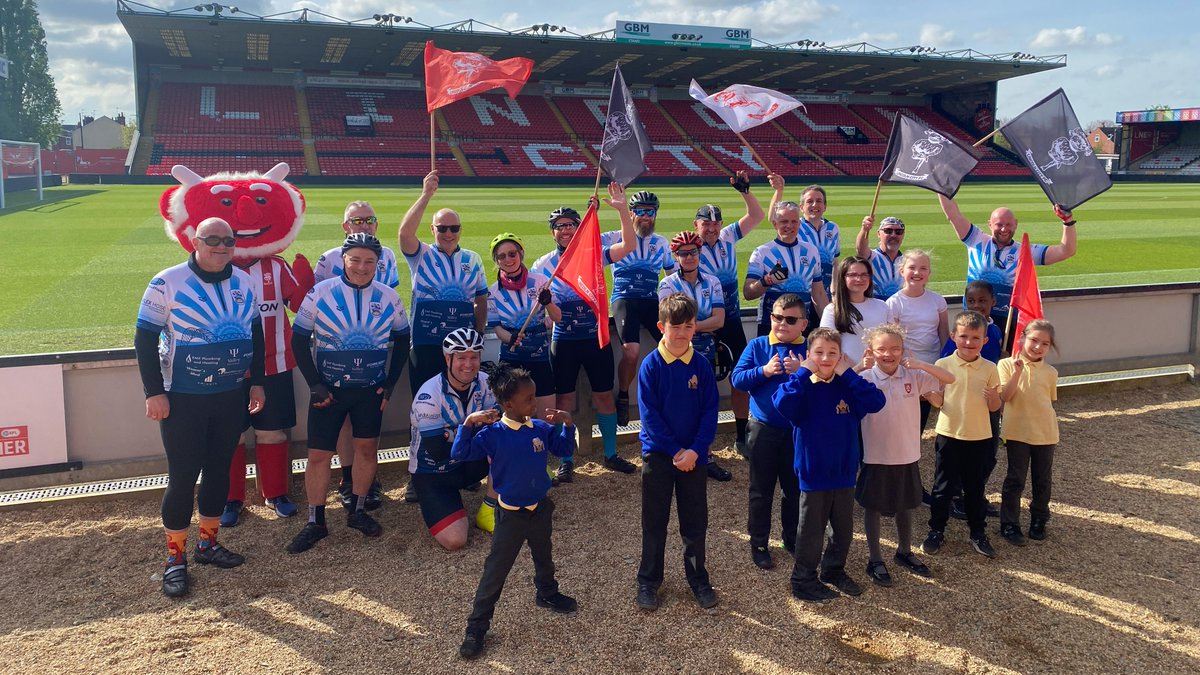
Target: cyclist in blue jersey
575,344
885,260
198,333
822,234
341,337
635,292
358,216
784,265
515,294
718,257
449,289
993,257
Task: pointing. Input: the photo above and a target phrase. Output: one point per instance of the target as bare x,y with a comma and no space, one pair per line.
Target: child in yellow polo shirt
1030,431
964,434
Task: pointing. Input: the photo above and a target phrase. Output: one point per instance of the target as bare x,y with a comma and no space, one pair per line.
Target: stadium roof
218,35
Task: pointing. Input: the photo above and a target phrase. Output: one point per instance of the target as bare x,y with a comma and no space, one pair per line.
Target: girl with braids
516,446
854,309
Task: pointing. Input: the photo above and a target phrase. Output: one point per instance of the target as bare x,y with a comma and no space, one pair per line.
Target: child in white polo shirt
889,480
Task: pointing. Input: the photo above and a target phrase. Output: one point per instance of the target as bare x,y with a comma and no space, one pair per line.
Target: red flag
1026,297
450,76
582,268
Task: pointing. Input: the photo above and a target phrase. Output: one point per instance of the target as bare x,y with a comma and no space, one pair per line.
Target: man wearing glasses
786,264
574,344
993,258
705,291
885,260
358,217
635,292
198,333
449,290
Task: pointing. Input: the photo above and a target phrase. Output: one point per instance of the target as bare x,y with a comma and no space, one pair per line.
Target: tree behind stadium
29,106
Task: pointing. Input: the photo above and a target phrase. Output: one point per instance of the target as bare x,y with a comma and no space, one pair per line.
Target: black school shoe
1012,534
217,555
715,472
562,604
813,591
842,581
647,598
933,542
879,573
912,563
1037,529
175,581
472,646
706,597
566,472
761,557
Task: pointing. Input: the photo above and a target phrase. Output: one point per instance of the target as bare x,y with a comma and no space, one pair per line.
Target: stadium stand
392,112
491,117
1173,158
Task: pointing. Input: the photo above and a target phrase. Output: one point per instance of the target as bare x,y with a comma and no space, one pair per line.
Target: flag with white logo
450,76
919,155
623,151
744,106
1051,142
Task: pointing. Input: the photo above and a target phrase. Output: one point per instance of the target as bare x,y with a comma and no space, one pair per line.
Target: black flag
623,151
918,155
1053,145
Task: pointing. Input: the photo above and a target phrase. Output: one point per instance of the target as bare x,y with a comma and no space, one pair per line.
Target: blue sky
1120,56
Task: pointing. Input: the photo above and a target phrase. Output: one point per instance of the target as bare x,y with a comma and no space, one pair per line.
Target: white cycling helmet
462,340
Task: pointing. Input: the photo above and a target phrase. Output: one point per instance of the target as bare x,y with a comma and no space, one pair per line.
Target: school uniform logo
907,388
538,446
842,408
693,383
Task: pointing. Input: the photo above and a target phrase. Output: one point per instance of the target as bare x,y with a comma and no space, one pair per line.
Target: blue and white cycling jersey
707,295
885,275
635,276
351,329
578,320
437,412
720,260
444,288
996,265
509,309
827,239
329,266
205,344
801,260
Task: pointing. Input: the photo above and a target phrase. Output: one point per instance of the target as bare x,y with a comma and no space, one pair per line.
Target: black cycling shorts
733,334
541,372
360,404
279,412
441,501
634,314
569,355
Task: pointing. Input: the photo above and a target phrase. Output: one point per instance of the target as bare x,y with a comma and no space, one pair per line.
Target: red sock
208,531
176,546
237,475
274,469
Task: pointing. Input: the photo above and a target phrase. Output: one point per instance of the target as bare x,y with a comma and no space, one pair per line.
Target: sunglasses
688,253
891,231
508,254
645,212
789,320
563,226
218,240
857,275
443,229
363,220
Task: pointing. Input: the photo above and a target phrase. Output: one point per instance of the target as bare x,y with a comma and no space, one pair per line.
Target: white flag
743,106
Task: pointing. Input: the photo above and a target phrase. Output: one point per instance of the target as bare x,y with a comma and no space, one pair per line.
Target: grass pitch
73,267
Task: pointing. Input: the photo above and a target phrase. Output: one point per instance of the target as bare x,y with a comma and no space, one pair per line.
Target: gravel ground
1113,589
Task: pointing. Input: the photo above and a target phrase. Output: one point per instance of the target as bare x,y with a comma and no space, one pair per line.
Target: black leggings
199,435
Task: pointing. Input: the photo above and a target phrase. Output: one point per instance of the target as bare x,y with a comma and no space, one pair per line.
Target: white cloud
877,39
87,86
933,35
1108,70
1061,38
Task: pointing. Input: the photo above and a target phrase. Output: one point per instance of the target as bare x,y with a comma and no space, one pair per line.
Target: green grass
73,268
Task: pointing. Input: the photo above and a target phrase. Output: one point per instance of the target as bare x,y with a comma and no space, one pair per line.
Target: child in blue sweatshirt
517,447
677,397
825,400
765,365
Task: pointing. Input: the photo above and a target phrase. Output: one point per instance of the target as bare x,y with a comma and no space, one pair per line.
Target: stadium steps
865,123
1074,384
448,135
462,159
311,164
566,125
795,141
141,158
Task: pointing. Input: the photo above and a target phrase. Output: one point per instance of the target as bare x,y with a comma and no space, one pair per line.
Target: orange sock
208,531
176,546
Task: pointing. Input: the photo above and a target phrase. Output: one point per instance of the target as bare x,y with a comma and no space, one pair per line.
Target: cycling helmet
564,212
506,236
363,240
709,212
891,221
686,238
643,197
462,340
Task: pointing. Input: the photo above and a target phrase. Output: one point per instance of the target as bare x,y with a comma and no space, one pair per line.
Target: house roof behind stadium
214,35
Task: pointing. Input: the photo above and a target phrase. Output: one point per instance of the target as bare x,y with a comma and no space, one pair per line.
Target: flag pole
753,152
987,138
1008,324
432,146
875,201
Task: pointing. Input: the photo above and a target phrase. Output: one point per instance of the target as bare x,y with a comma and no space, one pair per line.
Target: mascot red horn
266,215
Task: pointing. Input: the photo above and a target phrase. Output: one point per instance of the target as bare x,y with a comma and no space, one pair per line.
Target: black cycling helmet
564,212
363,240
643,197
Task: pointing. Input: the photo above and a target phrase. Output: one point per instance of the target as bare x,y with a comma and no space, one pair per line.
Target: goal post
20,163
